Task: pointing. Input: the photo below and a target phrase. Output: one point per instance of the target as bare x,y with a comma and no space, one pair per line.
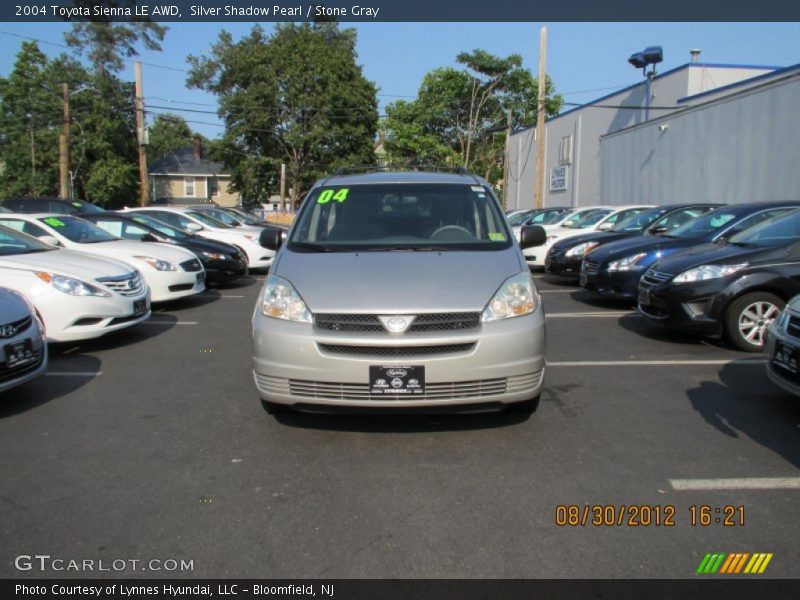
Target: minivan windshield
778,231
400,216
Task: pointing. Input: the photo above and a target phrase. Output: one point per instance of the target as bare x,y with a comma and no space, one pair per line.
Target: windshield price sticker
496,236
339,195
53,222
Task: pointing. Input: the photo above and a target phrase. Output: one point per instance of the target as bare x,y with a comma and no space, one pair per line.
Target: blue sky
585,60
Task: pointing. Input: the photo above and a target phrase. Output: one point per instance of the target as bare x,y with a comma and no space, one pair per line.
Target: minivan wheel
747,319
274,408
526,406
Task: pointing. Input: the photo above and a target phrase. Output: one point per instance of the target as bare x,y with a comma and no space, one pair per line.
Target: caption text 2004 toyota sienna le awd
399,290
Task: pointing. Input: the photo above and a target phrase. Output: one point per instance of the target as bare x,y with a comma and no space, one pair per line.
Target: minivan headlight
516,297
281,301
704,272
73,287
629,263
582,249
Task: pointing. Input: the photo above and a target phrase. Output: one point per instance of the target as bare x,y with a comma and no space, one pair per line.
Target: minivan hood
398,282
67,262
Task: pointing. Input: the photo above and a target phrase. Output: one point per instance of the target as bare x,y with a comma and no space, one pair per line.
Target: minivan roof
403,177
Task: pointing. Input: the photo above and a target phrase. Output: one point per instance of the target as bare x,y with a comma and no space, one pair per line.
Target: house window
188,187
565,152
213,187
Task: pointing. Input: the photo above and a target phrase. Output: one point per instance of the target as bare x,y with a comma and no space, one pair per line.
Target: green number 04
328,195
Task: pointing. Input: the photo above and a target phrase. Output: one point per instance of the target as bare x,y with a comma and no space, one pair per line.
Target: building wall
739,148
589,123
169,186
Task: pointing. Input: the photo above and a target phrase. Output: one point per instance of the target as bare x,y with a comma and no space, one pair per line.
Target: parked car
228,216
23,351
399,290
170,272
244,238
602,219
782,345
565,256
36,205
78,296
617,267
735,288
222,262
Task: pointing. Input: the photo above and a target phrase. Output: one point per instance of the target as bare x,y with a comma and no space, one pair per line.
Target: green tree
457,112
296,97
168,133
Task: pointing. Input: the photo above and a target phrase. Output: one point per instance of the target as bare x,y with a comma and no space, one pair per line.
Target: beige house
186,177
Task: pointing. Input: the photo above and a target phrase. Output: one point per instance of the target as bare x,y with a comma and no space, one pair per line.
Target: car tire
526,406
274,408
747,317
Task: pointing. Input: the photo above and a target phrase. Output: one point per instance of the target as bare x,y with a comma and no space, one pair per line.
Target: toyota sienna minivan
399,290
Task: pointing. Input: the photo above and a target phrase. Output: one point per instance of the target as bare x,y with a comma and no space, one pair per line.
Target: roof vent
695,52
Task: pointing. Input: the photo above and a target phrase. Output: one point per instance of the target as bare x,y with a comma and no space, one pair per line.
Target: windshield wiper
320,247
405,249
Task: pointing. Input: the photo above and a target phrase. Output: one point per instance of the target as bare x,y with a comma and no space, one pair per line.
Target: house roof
184,162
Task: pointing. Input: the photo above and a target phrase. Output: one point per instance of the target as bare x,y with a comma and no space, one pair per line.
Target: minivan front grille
394,351
9,330
126,285
793,326
361,323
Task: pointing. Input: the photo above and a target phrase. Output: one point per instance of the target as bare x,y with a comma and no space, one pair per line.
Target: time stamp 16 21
648,515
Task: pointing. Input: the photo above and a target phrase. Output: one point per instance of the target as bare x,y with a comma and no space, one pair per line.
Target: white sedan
245,238
583,220
78,296
169,272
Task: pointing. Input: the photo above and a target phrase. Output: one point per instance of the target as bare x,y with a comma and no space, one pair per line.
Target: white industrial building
577,173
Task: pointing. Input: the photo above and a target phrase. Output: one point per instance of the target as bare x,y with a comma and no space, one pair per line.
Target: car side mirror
148,237
658,230
236,224
49,239
532,235
194,227
605,227
271,238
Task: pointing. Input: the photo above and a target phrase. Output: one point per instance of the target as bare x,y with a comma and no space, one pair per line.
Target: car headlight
628,263
705,272
73,287
281,301
158,264
516,297
213,255
582,249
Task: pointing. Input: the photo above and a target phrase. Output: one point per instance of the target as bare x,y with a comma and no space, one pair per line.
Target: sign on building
558,178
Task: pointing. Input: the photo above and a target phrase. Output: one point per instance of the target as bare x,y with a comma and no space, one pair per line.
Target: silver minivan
399,290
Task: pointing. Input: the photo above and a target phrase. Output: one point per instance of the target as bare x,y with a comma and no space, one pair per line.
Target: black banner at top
398,10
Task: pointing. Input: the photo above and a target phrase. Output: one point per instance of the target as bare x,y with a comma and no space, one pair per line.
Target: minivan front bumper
496,363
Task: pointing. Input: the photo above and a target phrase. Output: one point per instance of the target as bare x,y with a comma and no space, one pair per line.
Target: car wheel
274,408
747,318
526,406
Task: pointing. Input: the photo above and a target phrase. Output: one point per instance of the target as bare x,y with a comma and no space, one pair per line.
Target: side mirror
532,235
607,226
148,237
236,224
271,238
49,239
194,227
657,230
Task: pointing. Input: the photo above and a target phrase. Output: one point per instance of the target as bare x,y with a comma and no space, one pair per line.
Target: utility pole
540,110
141,135
506,161
283,187
33,160
63,146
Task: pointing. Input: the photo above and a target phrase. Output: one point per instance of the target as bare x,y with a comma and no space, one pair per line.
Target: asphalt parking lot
152,443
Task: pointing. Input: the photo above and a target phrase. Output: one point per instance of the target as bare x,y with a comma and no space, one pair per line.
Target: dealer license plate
19,353
786,357
389,381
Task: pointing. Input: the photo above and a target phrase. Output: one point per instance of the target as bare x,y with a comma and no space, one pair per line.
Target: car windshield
778,231
160,226
83,206
400,217
639,222
220,215
243,217
584,219
77,230
703,225
207,220
548,217
520,218
15,242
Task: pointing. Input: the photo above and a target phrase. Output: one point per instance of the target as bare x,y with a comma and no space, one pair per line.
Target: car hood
601,236
198,244
706,254
125,249
67,262
641,243
398,282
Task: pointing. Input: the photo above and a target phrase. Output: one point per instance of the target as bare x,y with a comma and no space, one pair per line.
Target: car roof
403,177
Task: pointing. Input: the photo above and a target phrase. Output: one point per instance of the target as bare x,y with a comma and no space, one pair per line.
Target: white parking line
73,373
156,322
591,315
743,483
633,363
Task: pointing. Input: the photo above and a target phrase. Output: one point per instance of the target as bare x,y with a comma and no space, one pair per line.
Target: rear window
401,216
